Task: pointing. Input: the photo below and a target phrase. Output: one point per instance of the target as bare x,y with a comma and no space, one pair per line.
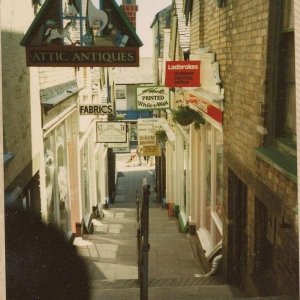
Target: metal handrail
143,245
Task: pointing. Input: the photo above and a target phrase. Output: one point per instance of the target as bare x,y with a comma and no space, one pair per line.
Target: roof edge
47,5
36,19
127,22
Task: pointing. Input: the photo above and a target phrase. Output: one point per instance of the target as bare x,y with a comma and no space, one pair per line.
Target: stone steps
128,290
197,288
160,282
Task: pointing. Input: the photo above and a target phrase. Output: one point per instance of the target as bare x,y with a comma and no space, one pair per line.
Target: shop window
214,182
187,9
286,94
219,153
279,148
57,186
50,179
84,175
282,59
208,175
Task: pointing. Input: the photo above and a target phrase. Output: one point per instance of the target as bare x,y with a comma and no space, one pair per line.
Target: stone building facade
46,146
160,24
254,44
21,111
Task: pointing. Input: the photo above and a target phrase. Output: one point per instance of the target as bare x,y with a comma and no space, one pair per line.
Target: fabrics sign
183,73
95,109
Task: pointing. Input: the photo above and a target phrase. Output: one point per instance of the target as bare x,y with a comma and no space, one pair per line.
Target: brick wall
238,34
286,260
130,10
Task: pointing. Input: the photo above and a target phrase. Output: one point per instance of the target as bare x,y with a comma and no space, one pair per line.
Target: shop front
59,146
94,172
206,155
194,171
207,186
207,170
181,175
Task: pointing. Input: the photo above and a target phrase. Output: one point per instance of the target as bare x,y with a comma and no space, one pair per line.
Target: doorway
237,231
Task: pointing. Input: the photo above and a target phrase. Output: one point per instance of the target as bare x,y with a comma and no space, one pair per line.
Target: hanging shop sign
74,33
111,132
119,145
121,150
95,109
82,57
133,131
120,97
146,131
156,97
153,150
182,73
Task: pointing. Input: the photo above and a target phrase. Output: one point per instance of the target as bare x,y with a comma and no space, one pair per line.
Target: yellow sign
151,150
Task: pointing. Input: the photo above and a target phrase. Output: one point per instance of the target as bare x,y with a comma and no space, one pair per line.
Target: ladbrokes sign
182,74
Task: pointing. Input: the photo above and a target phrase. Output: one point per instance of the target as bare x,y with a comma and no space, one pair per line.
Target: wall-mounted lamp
220,3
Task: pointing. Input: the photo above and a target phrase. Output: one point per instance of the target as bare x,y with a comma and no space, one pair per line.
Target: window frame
274,120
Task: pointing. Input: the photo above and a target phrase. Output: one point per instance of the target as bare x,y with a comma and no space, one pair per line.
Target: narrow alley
194,104
175,271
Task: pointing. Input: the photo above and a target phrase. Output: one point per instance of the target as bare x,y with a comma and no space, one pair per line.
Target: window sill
283,162
286,145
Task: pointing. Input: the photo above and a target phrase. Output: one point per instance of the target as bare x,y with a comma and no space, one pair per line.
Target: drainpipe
158,35
158,81
157,47
2,222
215,266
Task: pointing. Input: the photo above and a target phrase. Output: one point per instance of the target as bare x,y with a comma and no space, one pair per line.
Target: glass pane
50,177
219,149
85,179
287,90
208,176
74,23
218,236
62,177
288,15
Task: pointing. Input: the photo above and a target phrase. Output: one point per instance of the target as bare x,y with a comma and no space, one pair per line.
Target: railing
143,245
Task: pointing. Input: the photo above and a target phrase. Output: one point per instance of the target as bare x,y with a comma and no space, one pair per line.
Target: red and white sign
183,73
206,107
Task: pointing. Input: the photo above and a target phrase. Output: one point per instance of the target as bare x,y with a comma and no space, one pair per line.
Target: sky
147,9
